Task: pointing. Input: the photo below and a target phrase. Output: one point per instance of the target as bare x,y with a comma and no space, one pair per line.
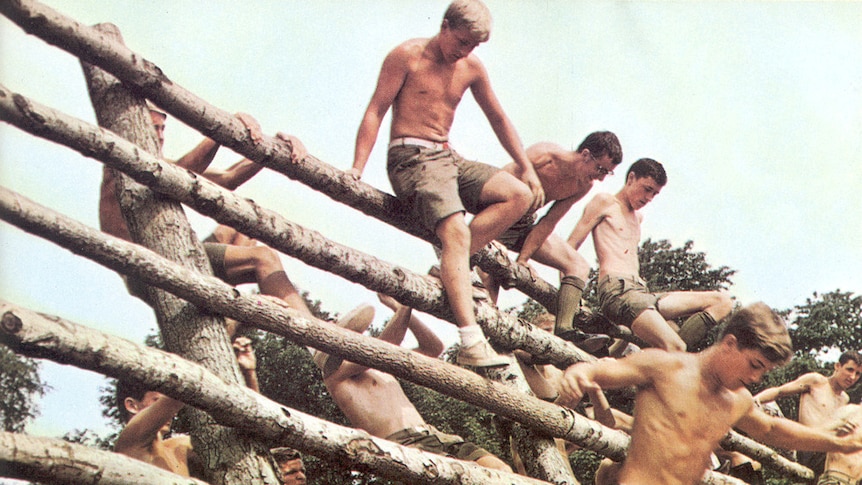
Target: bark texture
87,44
418,291
231,404
217,296
161,225
53,461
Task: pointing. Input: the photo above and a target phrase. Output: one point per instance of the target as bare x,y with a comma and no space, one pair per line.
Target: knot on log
362,445
11,323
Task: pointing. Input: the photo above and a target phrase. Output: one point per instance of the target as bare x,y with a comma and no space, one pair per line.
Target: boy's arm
784,433
539,234
144,426
392,75
800,385
201,156
636,369
247,362
593,214
506,133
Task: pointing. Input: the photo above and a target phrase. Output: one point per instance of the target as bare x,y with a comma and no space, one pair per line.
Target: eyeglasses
599,168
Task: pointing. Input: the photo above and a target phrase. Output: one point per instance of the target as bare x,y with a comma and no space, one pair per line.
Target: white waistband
409,140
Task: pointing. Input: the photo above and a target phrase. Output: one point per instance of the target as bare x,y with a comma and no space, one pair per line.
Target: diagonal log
417,291
230,404
92,47
53,461
221,298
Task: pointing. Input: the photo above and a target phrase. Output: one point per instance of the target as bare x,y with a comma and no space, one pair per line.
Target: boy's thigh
426,181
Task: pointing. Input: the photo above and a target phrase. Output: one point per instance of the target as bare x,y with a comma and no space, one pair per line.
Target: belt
629,277
409,140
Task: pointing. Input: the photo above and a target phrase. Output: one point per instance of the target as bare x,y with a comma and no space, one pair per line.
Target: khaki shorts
623,298
428,438
831,477
436,183
513,238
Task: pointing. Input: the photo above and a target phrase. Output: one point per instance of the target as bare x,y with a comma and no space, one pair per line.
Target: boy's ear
131,405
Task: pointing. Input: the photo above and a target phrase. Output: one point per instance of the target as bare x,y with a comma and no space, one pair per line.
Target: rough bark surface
162,226
231,404
217,296
418,291
53,461
221,126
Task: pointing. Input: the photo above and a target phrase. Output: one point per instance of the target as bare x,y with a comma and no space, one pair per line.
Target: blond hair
472,15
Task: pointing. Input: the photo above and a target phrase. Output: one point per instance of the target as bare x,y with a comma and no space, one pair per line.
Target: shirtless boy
244,262
820,397
845,468
566,177
615,221
423,80
687,402
374,401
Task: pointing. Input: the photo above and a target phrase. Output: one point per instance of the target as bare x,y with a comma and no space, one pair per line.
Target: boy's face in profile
641,190
456,44
745,366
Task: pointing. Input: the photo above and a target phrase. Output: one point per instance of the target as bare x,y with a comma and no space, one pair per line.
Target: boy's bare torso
819,404
557,171
616,238
848,463
171,454
374,401
679,422
432,88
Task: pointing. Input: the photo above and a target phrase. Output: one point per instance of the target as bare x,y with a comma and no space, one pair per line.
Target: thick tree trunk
44,336
53,461
418,291
162,226
82,41
212,293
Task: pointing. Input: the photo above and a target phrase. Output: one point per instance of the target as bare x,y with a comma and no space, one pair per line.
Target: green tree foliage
22,386
826,322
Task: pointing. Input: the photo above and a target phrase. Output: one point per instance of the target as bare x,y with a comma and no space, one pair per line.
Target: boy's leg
558,254
705,308
454,236
656,331
260,264
505,200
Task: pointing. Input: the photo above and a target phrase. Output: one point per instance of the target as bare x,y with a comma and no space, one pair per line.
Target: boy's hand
244,354
574,384
354,173
298,152
532,180
251,125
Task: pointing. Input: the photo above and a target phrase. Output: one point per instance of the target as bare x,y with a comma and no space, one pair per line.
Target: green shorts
434,183
428,438
623,298
832,477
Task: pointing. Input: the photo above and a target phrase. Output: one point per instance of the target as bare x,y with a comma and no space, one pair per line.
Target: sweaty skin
849,420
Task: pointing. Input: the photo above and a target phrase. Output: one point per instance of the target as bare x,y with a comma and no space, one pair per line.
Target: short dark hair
603,143
128,389
647,167
758,327
283,455
850,355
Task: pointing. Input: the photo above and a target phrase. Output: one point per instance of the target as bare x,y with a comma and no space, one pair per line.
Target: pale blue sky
754,108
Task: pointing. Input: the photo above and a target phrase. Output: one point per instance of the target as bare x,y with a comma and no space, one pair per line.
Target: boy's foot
588,342
481,355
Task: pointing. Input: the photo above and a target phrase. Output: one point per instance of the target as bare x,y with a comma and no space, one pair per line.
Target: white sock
471,335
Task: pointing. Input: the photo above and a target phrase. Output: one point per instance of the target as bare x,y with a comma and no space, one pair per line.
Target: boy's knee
574,264
521,196
453,230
